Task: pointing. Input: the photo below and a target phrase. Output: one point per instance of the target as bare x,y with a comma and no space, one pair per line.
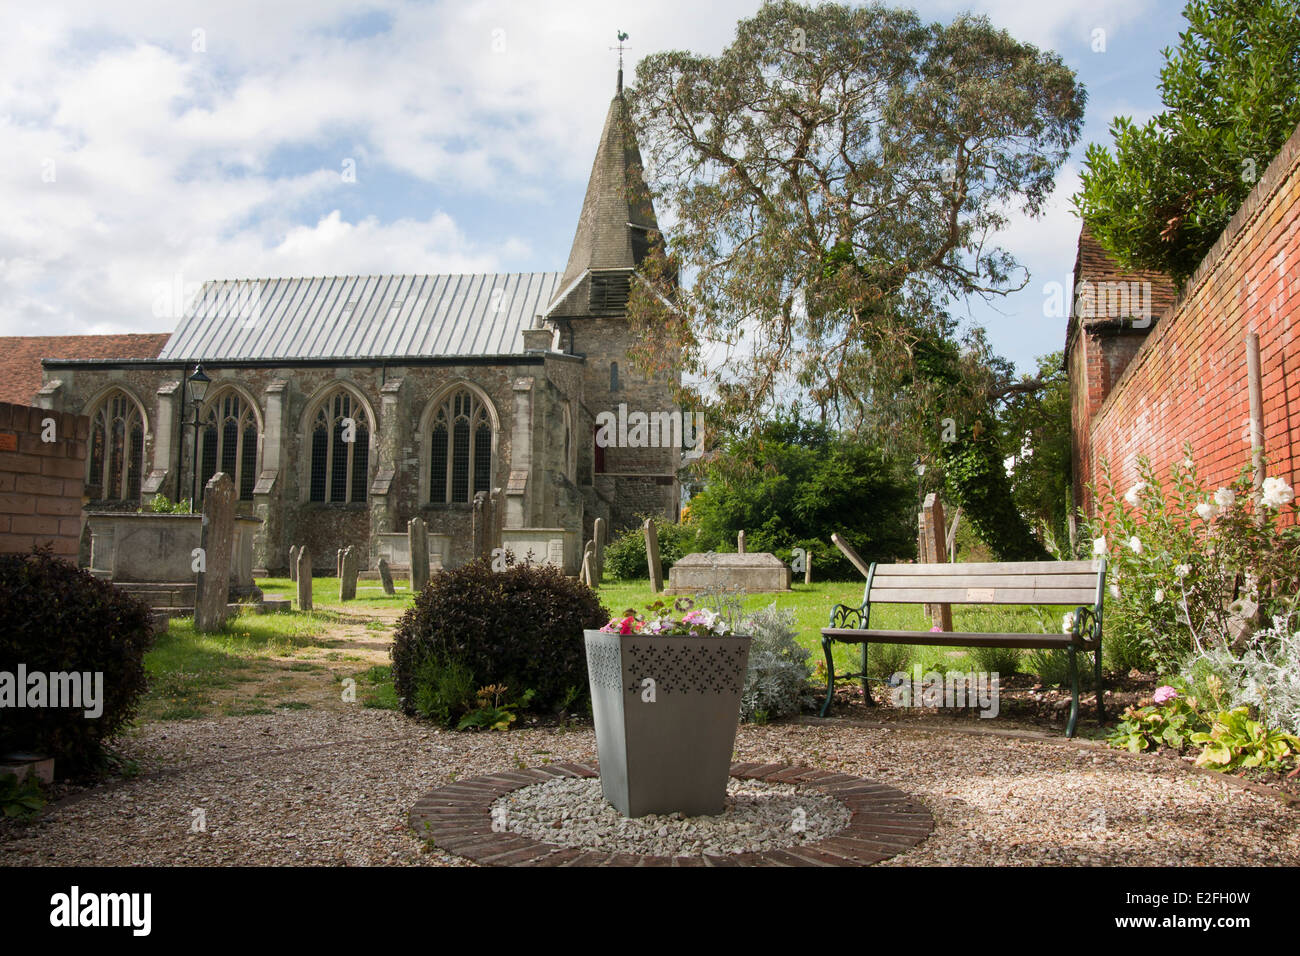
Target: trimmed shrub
625,558
58,618
521,627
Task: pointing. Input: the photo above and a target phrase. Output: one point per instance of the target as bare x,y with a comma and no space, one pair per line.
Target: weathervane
621,37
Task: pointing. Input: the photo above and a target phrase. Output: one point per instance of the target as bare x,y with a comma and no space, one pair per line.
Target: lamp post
195,387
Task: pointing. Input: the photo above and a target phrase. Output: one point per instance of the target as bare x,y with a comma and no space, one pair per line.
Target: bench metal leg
1074,693
866,684
1096,682
830,676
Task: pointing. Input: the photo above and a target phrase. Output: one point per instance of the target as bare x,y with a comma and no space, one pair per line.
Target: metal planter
670,750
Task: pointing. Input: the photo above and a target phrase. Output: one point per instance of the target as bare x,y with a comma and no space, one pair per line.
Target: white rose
1159,596
1182,570
1114,590
1225,498
1277,492
1136,544
1206,510
1098,545
1134,494
1067,623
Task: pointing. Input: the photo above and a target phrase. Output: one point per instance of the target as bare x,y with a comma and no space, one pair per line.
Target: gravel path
313,787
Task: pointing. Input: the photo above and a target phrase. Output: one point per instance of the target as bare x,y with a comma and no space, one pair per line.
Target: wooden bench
1078,583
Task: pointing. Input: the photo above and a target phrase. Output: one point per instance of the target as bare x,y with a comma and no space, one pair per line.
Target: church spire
617,215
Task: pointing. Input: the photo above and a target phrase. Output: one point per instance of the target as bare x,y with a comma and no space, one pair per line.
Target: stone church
344,406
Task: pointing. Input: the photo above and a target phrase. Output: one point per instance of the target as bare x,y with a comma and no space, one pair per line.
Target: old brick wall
1188,380
42,465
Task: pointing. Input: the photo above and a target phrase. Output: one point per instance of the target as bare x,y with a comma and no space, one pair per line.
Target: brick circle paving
885,821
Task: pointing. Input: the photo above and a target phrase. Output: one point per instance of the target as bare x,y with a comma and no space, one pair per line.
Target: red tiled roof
20,357
1094,264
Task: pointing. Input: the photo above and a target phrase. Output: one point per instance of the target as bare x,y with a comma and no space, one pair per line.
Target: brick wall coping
368,361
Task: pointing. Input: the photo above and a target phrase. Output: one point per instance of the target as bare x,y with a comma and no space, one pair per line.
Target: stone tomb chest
753,572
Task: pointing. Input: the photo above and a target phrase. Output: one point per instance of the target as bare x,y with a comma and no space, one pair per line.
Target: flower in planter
1277,492
1164,694
626,625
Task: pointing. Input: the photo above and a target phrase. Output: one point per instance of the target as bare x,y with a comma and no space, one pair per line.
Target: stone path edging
885,822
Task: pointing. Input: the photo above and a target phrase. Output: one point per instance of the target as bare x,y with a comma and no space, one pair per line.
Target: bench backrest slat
1029,582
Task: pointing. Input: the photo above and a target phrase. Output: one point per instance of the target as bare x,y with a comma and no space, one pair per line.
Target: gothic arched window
340,449
228,442
116,460
460,449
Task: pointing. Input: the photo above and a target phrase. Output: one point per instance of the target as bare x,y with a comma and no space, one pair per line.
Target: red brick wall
1188,381
41,482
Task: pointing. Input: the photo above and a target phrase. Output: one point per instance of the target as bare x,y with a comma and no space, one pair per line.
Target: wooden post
740,543
924,541
854,559
652,556
807,568
934,517
1256,389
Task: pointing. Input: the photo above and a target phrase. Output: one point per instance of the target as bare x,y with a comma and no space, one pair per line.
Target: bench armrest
849,617
1087,627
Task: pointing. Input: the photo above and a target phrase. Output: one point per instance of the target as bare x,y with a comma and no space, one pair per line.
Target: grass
325,592
812,603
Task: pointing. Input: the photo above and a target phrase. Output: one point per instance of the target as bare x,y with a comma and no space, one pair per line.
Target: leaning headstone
418,540
652,556
740,543
348,577
807,568
386,576
304,578
215,540
293,562
598,536
338,566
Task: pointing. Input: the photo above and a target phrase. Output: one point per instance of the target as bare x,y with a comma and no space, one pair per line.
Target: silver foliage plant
1264,676
777,680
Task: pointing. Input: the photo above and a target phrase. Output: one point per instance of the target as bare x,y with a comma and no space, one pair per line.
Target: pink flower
1164,695
936,628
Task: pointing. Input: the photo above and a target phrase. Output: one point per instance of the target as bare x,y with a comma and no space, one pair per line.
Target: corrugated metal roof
362,316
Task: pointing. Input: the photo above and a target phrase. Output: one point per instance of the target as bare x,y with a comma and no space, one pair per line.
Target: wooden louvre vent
609,292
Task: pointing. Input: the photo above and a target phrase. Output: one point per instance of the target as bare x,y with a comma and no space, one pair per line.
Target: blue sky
160,144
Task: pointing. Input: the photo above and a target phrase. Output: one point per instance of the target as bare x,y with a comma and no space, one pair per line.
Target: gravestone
753,573
386,575
215,540
652,556
338,567
807,568
293,562
304,578
418,540
740,543
588,573
482,525
598,536
348,576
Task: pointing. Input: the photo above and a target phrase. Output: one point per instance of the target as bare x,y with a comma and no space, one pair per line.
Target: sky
148,146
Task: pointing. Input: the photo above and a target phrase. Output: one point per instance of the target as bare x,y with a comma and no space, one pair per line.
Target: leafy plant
21,800
776,681
520,627
443,691
1236,741
492,710
996,660
162,505
1172,723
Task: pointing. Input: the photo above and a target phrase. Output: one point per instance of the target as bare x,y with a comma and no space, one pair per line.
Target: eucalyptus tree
835,180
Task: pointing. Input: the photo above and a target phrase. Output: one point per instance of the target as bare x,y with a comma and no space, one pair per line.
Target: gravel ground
758,816
313,787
